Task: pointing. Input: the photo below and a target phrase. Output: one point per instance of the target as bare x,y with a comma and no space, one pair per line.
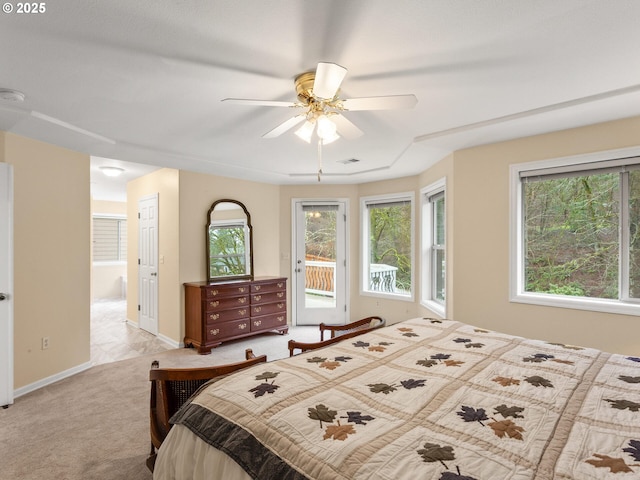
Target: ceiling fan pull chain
319,158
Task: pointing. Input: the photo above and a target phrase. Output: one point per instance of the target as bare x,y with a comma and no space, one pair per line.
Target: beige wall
106,277
481,250
164,182
51,258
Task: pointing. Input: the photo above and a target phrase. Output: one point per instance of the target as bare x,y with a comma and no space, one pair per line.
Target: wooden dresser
219,311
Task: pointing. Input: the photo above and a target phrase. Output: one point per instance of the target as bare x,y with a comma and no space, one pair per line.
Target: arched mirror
229,241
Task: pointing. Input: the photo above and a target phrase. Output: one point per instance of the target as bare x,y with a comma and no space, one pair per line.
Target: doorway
6,284
148,263
320,262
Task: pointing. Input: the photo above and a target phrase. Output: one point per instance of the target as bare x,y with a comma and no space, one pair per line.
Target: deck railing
320,278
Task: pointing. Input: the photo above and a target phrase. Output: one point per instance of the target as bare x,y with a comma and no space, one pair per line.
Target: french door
320,262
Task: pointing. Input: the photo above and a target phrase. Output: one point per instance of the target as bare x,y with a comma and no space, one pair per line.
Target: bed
421,399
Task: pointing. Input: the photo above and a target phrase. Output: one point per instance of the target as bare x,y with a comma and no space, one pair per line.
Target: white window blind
109,239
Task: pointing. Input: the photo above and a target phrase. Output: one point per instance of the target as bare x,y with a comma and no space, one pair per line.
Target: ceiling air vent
349,160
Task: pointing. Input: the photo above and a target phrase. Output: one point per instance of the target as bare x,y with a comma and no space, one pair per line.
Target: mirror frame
248,276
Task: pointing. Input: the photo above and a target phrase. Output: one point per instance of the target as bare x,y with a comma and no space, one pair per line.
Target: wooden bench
172,387
338,333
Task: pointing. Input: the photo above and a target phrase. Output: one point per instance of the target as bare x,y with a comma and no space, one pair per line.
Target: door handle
155,274
3,296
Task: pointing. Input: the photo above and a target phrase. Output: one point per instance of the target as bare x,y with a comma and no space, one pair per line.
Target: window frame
120,219
517,293
364,243
427,252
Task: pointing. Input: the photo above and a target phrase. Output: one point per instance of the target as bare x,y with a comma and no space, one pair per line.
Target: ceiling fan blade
328,79
345,127
284,126
262,103
390,102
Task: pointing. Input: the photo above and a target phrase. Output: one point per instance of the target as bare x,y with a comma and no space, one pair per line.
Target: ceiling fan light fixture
306,131
327,130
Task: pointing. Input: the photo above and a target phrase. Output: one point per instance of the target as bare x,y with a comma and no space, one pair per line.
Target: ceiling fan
318,95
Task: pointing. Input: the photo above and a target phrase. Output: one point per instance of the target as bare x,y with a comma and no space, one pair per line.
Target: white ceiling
143,81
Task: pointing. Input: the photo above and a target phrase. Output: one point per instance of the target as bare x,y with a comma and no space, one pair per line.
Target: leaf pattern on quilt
628,379
455,476
615,465
330,365
506,381
263,388
453,363
470,414
432,452
480,330
507,428
440,356
316,359
411,383
407,332
338,432
358,418
432,320
624,405
381,388
538,381
634,359
342,358
267,375
564,345
427,363
634,449
322,414
462,340
538,358
506,412
474,345
361,344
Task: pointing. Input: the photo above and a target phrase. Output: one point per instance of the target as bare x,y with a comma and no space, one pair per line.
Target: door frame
156,326
294,230
6,287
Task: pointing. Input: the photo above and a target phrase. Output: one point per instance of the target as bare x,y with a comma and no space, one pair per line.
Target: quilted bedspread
429,399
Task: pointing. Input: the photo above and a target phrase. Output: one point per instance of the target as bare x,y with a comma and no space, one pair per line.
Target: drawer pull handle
214,332
280,285
214,316
281,305
258,287
280,294
213,293
214,304
242,289
242,300
257,309
280,318
242,312
242,326
257,323
257,297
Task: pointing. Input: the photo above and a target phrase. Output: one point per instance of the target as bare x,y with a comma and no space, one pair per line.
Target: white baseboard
52,379
169,341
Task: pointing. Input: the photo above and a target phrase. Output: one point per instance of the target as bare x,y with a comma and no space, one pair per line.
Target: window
109,239
434,246
578,229
387,248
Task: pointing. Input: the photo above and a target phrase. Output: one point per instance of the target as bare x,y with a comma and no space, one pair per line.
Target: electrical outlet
45,343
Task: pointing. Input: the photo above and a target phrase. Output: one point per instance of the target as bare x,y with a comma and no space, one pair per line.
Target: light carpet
95,425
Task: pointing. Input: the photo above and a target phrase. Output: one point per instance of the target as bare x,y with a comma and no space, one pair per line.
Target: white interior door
320,273
6,284
148,263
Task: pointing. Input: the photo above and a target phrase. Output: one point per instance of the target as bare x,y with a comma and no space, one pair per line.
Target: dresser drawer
227,329
223,303
268,308
267,322
258,298
215,291
268,286
226,315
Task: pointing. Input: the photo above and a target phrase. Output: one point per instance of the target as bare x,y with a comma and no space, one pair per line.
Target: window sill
435,307
578,303
110,263
388,296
